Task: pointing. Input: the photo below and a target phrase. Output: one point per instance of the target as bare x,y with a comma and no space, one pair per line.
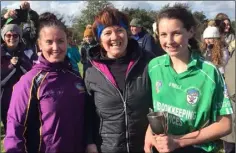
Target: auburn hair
109,16
216,51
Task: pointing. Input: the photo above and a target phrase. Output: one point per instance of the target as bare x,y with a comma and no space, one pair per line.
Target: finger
147,148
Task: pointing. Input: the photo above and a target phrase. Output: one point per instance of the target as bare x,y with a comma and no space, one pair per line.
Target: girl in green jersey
187,87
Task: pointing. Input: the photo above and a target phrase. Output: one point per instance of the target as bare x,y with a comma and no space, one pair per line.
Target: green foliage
88,14
199,16
233,24
148,17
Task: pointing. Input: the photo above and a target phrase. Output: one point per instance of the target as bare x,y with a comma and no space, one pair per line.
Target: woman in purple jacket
47,106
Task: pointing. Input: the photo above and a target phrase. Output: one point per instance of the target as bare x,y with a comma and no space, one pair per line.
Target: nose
170,39
55,46
113,35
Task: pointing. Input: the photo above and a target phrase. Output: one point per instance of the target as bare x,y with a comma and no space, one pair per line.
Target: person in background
27,19
155,36
16,60
225,27
46,112
89,41
190,89
73,52
214,49
119,91
145,40
229,140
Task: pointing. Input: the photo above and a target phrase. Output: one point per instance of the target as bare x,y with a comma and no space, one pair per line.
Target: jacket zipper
123,99
126,116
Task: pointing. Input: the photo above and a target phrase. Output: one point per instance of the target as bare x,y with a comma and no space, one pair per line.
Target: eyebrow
173,31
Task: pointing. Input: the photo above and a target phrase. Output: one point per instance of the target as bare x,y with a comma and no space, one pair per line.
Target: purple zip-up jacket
51,119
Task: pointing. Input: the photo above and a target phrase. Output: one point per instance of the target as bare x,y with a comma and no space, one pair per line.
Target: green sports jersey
193,98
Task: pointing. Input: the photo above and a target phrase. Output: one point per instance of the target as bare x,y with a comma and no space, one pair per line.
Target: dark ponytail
48,19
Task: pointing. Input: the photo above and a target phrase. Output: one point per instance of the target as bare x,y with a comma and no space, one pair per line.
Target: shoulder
208,69
157,61
27,79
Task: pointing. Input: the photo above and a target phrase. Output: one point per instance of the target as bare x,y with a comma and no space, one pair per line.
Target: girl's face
88,39
227,26
114,40
209,41
53,43
174,37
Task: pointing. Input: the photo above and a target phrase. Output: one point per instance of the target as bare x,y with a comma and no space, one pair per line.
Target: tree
148,17
88,14
233,24
199,16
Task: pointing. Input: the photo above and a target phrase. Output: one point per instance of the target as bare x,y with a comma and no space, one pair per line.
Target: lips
116,44
172,48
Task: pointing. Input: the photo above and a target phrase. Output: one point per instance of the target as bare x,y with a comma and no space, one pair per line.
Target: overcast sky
210,8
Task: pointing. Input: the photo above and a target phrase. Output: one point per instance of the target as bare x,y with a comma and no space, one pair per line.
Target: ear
39,44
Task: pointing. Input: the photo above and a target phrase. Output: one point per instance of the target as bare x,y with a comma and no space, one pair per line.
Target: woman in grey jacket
119,88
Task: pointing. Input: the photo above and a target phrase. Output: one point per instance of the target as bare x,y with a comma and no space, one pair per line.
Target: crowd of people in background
49,104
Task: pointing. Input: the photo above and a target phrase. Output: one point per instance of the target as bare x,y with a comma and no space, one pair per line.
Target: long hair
217,52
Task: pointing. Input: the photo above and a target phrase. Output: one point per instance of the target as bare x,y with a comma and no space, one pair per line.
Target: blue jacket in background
74,57
147,43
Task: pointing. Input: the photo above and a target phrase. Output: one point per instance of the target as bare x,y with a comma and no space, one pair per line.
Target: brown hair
49,19
217,52
109,16
182,13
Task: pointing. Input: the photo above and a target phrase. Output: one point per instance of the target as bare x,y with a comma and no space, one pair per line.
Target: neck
180,63
10,48
116,57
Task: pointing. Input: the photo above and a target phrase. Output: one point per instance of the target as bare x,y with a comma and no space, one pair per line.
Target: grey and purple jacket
48,117
10,73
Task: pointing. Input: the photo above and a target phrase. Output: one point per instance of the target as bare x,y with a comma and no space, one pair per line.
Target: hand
166,143
10,14
25,5
14,60
91,148
149,141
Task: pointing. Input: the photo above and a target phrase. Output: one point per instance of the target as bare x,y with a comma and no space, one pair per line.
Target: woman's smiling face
114,40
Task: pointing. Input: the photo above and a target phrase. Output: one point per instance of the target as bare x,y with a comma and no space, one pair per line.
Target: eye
107,33
163,34
177,33
49,42
120,30
61,41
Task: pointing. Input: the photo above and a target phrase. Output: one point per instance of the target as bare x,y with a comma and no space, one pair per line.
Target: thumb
147,148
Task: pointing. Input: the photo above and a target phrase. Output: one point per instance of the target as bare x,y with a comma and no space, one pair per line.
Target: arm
214,131
16,119
168,143
90,115
225,57
9,14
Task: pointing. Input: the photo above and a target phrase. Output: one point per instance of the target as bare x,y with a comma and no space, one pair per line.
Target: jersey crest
192,95
80,87
158,86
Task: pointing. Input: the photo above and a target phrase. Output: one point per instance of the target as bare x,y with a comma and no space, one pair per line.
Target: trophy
158,122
